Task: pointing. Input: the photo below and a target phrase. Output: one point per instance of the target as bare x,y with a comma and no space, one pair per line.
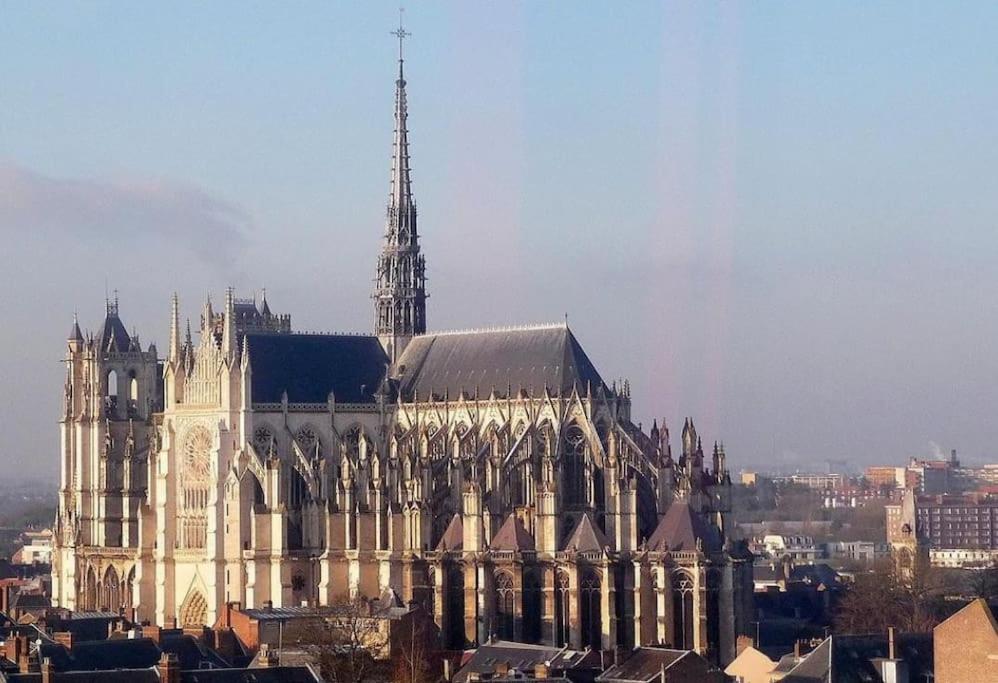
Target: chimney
169,668
64,638
502,668
541,670
48,671
33,665
268,657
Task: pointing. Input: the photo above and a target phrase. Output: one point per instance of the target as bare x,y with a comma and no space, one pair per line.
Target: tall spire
401,209
400,294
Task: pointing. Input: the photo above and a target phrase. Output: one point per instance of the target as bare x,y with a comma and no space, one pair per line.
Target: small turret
229,325
75,338
174,329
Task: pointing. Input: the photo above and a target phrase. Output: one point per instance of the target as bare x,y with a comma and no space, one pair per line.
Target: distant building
889,477
860,551
966,645
818,482
967,521
37,548
963,557
797,548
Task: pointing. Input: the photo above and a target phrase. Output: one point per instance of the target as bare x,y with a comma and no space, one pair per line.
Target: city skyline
527,185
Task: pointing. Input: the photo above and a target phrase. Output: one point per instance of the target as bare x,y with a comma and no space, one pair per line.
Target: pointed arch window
505,597
682,611
591,614
561,598
454,617
531,607
574,466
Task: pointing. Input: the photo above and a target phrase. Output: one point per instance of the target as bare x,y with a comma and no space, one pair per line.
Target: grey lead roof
113,335
506,360
311,366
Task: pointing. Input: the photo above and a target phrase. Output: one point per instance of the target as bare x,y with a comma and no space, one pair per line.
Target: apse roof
311,366
680,529
506,360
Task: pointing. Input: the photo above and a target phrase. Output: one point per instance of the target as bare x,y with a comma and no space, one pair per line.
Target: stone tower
400,293
111,393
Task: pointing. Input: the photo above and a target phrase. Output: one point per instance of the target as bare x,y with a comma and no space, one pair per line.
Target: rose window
197,455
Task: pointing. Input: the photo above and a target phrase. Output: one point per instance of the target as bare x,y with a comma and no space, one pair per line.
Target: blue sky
776,217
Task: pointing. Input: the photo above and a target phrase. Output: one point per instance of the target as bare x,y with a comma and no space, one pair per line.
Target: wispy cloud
130,213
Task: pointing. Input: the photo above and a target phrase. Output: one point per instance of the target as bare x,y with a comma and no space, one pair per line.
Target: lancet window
683,614
561,612
589,603
574,466
505,597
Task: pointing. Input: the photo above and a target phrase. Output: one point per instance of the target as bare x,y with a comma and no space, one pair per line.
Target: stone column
663,611
517,572
608,616
639,588
471,597
440,585
574,617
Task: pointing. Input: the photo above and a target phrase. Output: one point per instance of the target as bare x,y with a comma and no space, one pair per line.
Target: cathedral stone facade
491,476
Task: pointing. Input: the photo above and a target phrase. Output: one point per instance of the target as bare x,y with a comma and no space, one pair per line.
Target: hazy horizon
775,218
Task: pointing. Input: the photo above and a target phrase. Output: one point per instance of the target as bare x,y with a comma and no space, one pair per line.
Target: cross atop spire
401,34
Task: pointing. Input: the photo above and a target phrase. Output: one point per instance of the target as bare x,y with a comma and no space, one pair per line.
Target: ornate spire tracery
400,293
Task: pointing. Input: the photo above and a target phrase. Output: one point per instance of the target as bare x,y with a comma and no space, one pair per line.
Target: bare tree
349,643
984,583
911,602
413,644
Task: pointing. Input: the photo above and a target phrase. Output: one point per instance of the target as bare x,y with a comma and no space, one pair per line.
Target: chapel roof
311,366
586,537
513,536
681,528
453,538
504,360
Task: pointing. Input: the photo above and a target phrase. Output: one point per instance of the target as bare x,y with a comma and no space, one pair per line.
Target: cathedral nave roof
529,358
311,366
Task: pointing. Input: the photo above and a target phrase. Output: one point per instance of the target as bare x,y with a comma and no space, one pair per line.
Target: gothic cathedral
491,476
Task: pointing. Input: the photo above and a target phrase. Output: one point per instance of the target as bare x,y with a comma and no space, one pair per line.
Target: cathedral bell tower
400,293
